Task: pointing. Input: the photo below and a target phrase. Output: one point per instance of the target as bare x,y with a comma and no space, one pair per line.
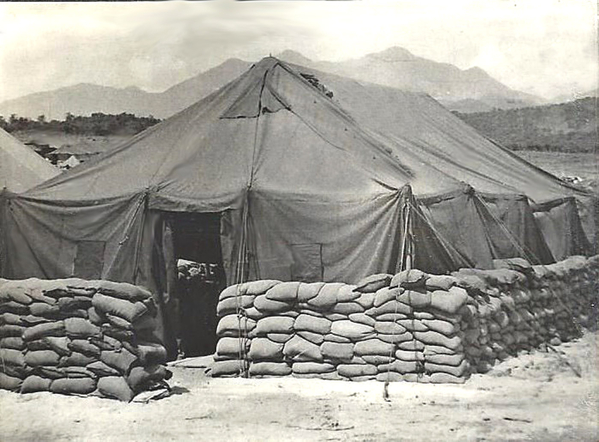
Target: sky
543,47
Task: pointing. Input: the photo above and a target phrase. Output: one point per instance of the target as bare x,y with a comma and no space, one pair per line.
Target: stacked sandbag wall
411,326
518,307
79,337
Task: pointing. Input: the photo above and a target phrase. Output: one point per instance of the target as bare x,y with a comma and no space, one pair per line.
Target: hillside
564,127
463,90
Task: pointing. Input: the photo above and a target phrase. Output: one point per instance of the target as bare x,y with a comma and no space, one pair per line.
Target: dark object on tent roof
302,190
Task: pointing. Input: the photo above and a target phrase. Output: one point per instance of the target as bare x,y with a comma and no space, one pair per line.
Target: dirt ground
535,397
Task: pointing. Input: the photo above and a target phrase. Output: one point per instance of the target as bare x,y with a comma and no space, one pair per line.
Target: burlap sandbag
300,350
233,326
9,356
312,324
100,369
115,387
450,301
373,283
59,344
440,326
284,292
395,338
409,356
356,370
279,337
84,347
140,376
231,367
269,369
327,296
232,346
12,292
230,305
373,347
10,383
267,306
454,360
337,351
151,353
33,384
390,307
439,282
389,328
362,318
42,358
352,330
347,308
118,307
389,376
265,349
10,330
11,318
13,307
417,298
121,360
44,310
125,291
95,317
409,279
12,342
81,328
75,303
386,294
31,320
378,359
366,300
312,367
116,333
445,378
315,338
78,372
118,322
399,366
273,324
412,325
308,291
73,386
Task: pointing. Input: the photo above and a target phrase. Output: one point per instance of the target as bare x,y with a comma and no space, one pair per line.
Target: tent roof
20,167
205,157
435,136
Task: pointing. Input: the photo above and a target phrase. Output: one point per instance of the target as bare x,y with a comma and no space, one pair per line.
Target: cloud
544,46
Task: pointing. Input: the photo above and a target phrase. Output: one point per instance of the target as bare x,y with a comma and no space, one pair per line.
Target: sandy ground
535,397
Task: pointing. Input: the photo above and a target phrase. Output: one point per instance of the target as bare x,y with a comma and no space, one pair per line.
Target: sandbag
84,347
44,310
10,330
308,291
454,360
232,346
11,318
265,349
300,350
312,324
377,359
352,330
348,293
232,326
457,371
362,318
75,303
410,356
315,338
124,291
352,371
347,308
418,299
119,307
49,372
373,283
115,387
30,320
450,301
267,306
389,376
118,322
99,368
116,333
81,328
9,383
59,344
273,324
279,337
258,287
399,366
9,356
95,317
73,386
366,300
337,351
445,378
121,360
38,344
269,369
33,384
139,376
327,296
230,305
440,326
439,282
78,372
386,294
373,347
409,279
389,328
15,293
284,292
42,358
434,338
392,306
227,368
311,367
12,342
150,353
13,307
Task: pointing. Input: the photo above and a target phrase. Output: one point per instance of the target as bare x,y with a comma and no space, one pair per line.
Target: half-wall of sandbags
79,337
412,326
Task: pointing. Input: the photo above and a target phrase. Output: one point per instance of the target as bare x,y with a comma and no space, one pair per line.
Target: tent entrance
197,249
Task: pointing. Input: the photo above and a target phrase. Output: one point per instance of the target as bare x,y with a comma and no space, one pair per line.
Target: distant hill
463,90
565,127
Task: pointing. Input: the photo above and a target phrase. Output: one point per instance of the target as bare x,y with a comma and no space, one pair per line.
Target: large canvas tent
300,188
20,167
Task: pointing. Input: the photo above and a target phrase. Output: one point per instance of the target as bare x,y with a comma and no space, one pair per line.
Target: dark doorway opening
201,278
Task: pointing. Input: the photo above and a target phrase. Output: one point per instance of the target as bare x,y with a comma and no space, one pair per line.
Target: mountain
463,90
564,127
85,98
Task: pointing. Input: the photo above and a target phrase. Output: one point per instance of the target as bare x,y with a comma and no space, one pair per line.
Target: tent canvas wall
303,191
